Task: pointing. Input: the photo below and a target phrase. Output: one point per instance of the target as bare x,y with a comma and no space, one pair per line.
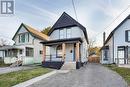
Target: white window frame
68,32
61,33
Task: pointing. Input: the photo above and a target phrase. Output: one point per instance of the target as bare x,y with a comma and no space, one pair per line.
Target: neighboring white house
27,47
116,48
68,43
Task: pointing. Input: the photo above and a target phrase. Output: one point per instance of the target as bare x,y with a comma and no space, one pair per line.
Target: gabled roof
111,34
33,32
67,21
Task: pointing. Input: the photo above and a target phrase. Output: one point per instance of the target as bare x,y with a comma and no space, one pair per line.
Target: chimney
104,37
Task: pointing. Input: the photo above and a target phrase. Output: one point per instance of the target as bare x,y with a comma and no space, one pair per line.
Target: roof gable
32,31
111,34
67,21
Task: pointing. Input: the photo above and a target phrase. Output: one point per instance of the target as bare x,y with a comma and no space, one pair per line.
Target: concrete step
68,66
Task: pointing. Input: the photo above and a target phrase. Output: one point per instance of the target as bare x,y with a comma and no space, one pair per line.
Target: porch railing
121,60
53,58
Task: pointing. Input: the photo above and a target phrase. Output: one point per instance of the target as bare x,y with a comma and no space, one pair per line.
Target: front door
69,53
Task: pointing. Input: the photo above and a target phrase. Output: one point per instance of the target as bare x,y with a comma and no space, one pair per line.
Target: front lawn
124,72
2,64
13,78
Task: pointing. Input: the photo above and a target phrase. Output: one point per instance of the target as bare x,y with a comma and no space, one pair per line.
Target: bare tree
91,45
3,42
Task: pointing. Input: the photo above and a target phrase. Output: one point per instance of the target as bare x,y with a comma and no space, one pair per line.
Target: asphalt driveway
92,75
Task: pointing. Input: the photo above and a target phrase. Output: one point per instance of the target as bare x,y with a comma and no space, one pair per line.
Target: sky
95,15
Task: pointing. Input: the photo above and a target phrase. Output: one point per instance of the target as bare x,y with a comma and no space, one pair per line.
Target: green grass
124,72
13,78
2,64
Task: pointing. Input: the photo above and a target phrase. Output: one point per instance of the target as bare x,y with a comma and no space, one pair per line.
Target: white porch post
44,53
63,51
77,51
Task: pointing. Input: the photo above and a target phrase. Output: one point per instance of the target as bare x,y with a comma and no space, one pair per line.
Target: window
14,53
106,53
27,37
59,51
129,52
11,53
127,36
41,52
20,51
68,33
65,33
24,37
121,52
62,34
29,52
6,54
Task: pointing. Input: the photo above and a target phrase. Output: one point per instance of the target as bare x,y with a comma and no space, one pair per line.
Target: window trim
32,52
65,33
70,32
26,39
60,33
126,36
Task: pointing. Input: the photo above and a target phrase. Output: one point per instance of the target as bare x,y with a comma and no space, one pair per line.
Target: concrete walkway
12,69
92,75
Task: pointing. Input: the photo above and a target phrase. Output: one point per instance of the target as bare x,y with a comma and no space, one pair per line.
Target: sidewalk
12,69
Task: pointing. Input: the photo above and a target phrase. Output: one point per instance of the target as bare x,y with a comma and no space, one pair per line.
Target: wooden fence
94,59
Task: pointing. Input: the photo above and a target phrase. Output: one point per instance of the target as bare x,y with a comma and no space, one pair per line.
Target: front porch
123,56
17,54
62,51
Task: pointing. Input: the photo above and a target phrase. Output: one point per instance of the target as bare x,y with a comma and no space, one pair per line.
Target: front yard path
12,69
92,75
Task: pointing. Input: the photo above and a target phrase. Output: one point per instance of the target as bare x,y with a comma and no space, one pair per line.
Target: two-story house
116,47
68,42
27,47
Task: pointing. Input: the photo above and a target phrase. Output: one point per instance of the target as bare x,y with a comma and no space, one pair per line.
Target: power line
112,22
117,17
74,10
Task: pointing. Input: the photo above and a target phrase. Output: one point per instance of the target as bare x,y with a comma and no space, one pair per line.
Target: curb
32,81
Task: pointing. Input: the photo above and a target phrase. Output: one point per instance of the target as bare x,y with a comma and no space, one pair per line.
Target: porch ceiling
60,41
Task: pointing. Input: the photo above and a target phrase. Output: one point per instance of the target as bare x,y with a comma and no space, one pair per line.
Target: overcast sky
95,15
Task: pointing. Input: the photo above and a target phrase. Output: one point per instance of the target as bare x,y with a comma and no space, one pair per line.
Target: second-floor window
24,37
127,36
68,33
65,33
62,34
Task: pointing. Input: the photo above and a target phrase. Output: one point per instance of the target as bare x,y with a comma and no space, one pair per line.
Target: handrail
53,58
